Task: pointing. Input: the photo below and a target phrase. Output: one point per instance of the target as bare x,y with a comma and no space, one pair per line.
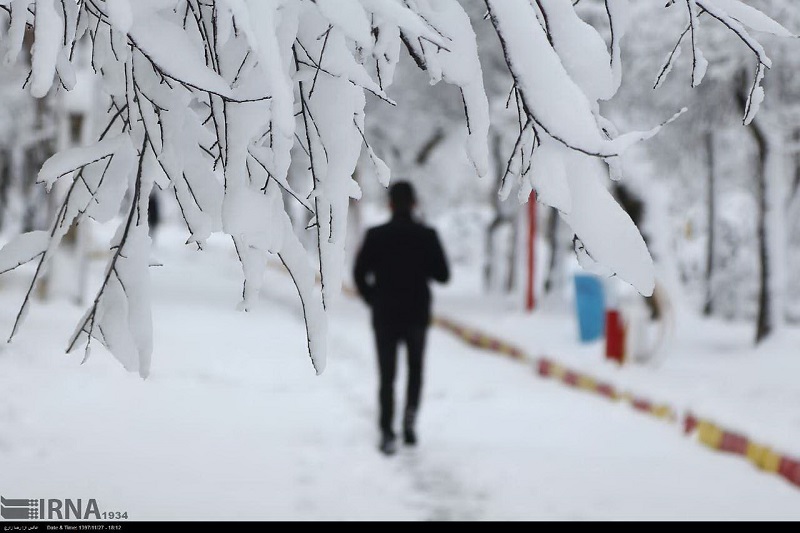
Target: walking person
392,272
153,214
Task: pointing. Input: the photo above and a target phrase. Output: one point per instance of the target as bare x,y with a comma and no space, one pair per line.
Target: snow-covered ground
233,423
708,367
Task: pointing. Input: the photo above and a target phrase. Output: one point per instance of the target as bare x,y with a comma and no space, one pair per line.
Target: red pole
530,300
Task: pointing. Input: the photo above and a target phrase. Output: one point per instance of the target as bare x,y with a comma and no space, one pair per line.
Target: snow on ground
233,424
707,366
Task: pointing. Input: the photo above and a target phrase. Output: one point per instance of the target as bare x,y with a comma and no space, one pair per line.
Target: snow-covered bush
208,98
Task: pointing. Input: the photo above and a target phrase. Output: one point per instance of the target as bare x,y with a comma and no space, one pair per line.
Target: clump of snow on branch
210,98
562,68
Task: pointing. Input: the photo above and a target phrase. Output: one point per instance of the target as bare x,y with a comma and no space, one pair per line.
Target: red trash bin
615,336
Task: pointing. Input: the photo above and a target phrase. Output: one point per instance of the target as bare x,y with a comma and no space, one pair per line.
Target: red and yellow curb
550,369
547,368
761,456
479,339
708,433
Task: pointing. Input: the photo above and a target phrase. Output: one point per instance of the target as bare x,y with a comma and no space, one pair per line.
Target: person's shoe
388,444
409,421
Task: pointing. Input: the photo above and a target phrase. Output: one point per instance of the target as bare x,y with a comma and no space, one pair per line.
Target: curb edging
707,432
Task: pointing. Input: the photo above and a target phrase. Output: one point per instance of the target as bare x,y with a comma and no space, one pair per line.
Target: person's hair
401,196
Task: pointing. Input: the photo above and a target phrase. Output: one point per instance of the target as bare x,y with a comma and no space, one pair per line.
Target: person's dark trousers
388,338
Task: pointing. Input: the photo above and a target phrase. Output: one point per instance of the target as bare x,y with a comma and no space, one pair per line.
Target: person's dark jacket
393,268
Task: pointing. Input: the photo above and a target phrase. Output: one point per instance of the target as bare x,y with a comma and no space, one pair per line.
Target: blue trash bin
590,303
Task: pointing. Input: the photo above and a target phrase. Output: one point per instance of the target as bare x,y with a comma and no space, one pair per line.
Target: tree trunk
795,188
708,307
770,230
764,319
511,260
793,197
502,217
552,240
5,183
491,263
494,201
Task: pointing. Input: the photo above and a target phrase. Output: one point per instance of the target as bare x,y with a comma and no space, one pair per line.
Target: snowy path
234,425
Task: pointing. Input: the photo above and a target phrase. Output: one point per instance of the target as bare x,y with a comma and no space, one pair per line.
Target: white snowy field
233,423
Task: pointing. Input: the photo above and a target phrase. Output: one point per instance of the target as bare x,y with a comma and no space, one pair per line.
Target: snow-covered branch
209,98
736,17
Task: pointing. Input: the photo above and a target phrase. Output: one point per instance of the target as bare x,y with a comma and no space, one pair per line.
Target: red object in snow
790,469
545,367
530,300
615,336
733,443
571,378
690,423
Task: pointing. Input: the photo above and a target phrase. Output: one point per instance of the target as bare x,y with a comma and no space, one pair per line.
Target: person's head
402,198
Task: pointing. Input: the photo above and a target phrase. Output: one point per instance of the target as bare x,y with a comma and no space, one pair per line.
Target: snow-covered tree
209,97
695,156
27,139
